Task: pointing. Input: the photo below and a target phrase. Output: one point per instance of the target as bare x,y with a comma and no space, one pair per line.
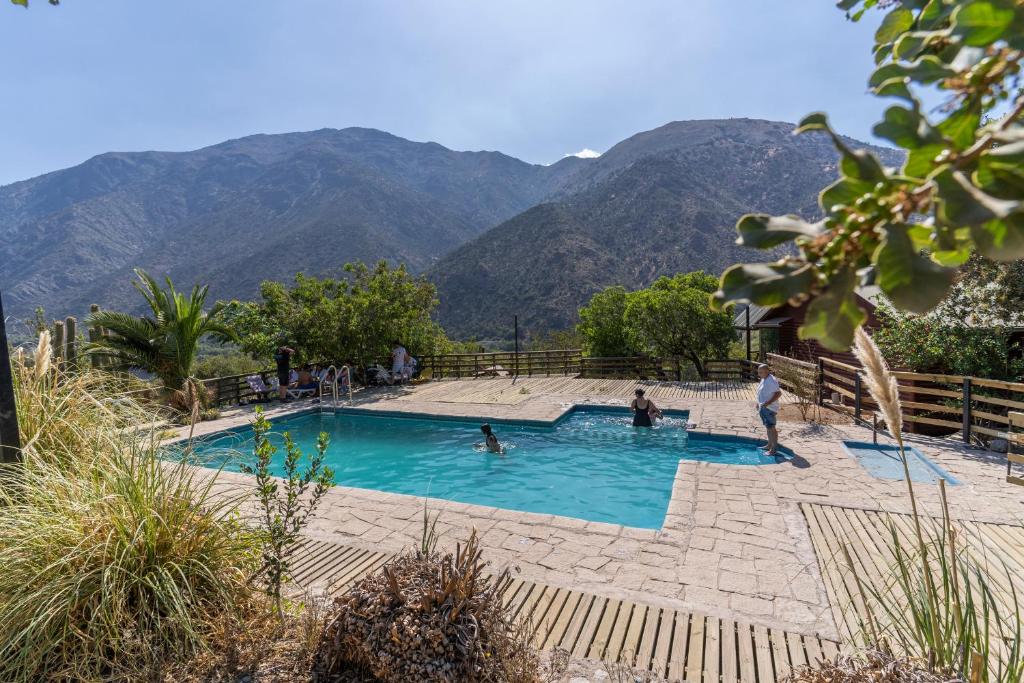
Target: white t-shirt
765,390
398,359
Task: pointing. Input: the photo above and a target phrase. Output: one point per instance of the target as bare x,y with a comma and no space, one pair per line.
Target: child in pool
490,440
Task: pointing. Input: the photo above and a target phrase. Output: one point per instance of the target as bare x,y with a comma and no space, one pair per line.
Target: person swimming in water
643,410
490,440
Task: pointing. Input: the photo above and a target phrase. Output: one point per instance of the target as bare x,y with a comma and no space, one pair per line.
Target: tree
602,324
164,343
351,319
673,317
24,3
969,333
958,192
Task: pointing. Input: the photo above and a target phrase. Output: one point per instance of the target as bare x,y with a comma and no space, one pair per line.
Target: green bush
115,562
227,365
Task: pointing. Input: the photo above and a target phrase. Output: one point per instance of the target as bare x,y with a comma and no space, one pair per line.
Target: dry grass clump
872,667
429,617
114,561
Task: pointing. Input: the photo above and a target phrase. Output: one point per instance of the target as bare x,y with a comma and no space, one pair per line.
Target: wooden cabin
765,330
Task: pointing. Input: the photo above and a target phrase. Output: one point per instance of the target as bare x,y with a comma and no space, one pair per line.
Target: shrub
284,513
427,616
115,562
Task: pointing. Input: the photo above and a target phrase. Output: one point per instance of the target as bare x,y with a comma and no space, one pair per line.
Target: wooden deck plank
631,643
747,657
676,665
729,669
763,655
695,648
712,652
663,648
602,635
616,639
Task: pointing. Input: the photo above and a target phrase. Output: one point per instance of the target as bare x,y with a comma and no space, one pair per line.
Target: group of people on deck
768,394
307,377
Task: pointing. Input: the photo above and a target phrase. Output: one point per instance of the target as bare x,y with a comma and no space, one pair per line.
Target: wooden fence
1015,448
573,362
234,389
974,406
506,363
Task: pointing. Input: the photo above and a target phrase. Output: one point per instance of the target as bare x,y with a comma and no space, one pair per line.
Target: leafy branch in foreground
959,190
284,513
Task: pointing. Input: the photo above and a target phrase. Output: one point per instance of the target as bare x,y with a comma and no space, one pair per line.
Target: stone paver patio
734,542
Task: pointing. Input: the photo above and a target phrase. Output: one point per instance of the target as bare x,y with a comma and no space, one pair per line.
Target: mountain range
499,236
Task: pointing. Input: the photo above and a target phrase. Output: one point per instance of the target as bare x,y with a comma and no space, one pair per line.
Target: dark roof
757,313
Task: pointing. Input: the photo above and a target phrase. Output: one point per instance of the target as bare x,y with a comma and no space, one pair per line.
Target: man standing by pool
768,394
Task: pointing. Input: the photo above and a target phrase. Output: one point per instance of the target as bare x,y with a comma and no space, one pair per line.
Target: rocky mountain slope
245,210
499,236
660,202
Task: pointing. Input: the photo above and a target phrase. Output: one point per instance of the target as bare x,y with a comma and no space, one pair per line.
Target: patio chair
259,387
303,392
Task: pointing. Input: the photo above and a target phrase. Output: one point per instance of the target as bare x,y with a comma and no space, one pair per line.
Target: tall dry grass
940,604
114,561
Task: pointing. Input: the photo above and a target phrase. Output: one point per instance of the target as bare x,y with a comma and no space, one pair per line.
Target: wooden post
967,410
748,331
856,398
10,439
821,381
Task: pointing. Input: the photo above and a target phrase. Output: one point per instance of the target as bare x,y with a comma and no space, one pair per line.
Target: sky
534,79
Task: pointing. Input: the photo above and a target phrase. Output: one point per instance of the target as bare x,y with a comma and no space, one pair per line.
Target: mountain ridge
265,206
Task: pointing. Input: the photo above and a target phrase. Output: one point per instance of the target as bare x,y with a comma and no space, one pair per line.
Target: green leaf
23,3
934,14
962,125
922,161
927,69
768,284
834,315
896,87
844,191
895,22
911,45
913,282
983,22
964,204
761,231
1001,240
854,163
815,121
906,128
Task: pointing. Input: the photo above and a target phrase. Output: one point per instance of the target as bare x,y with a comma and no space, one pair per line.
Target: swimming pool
592,464
883,462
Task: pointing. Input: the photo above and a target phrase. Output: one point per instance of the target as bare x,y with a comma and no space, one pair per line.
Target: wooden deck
679,645
508,391
997,548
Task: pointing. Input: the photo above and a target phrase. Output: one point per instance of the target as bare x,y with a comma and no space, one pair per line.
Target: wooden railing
970,405
1015,448
573,362
502,364
233,389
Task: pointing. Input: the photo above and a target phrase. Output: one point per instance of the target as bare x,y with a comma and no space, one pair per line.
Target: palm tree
165,342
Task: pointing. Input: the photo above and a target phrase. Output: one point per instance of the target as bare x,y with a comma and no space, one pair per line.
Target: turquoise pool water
591,465
883,462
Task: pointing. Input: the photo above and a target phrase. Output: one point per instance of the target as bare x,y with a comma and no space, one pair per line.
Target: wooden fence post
856,397
967,410
821,381
10,438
